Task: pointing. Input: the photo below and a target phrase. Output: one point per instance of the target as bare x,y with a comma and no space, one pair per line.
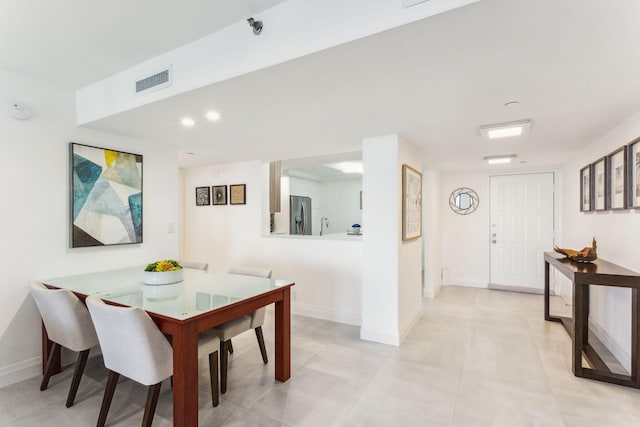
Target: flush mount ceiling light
499,160
256,25
188,122
346,167
213,116
506,129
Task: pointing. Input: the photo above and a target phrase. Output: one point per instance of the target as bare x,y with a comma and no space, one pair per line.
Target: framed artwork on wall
106,196
586,189
219,193
633,155
237,194
411,203
599,171
617,179
202,196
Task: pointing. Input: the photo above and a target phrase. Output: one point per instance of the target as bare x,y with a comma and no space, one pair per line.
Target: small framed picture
617,179
219,193
600,185
633,155
237,194
411,203
202,196
586,189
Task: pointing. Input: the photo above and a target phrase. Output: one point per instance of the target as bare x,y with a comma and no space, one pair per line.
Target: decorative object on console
219,193
587,254
202,196
464,201
163,272
411,203
106,196
617,179
238,194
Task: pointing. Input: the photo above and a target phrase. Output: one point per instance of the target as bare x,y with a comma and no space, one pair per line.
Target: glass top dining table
199,292
200,301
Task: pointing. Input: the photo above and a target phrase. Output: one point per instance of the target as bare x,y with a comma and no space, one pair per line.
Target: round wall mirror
463,201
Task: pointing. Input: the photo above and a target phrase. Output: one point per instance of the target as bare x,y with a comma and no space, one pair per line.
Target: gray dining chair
133,346
235,327
68,325
194,264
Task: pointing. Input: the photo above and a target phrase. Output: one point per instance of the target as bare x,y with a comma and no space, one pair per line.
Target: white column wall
35,212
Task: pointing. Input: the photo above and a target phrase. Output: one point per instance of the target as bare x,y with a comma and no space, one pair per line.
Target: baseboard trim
468,283
378,337
20,371
521,289
409,324
320,313
624,358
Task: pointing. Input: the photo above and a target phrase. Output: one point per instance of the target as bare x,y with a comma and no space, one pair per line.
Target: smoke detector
18,110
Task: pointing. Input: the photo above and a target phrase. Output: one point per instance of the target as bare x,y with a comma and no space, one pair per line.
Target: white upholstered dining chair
133,346
235,327
69,325
197,265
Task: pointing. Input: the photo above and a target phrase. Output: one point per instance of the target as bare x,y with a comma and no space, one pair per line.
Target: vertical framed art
203,197
106,196
617,179
411,203
599,170
586,189
219,193
237,194
633,155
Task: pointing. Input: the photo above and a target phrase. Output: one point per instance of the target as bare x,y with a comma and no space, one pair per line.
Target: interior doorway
521,230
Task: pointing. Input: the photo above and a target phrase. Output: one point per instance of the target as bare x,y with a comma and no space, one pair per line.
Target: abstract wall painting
106,196
634,173
617,179
599,169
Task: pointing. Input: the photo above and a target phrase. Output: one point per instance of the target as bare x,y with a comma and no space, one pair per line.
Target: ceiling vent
157,81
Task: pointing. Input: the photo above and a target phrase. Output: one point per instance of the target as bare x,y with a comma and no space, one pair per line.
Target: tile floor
476,358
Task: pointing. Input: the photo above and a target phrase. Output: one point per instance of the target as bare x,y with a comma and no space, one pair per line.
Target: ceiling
573,65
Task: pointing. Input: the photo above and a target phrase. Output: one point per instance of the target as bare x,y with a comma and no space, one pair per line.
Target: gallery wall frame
411,203
219,195
238,194
617,178
633,177
600,190
203,196
106,188
586,189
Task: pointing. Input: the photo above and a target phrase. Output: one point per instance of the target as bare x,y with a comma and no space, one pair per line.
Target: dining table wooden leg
283,336
185,376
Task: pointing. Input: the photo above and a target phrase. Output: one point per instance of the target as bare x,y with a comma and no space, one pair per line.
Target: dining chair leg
263,349
213,375
77,375
230,346
54,356
112,382
152,402
224,358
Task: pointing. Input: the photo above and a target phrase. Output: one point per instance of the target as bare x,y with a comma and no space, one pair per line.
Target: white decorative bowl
162,277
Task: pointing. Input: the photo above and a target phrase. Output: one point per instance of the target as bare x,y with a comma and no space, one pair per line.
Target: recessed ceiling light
214,116
499,160
506,129
347,167
188,122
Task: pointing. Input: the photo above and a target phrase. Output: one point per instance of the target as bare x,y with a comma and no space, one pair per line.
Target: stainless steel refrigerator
299,215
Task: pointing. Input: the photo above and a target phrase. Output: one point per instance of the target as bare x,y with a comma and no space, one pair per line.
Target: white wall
618,236
341,204
391,269
327,272
35,212
465,244
432,232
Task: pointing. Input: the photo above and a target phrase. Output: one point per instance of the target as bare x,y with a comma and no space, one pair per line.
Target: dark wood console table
582,275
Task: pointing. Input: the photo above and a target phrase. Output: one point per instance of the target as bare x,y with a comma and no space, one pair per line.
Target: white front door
521,229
